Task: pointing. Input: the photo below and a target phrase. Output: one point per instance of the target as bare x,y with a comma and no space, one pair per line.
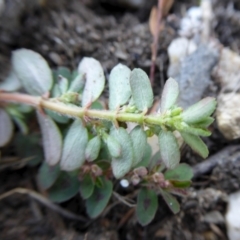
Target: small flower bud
135,180
140,171
158,177
96,170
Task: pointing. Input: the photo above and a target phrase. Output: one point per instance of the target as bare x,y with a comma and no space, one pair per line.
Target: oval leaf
171,201
6,128
147,204
47,175
99,199
86,186
52,139
66,187
93,148
57,117
182,172
119,86
169,149
146,157
199,111
62,84
196,144
141,89
169,94
95,80
33,71
75,143
114,147
139,140
122,164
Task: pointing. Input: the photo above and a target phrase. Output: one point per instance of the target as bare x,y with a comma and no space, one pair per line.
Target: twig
122,200
155,40
218,158
43,201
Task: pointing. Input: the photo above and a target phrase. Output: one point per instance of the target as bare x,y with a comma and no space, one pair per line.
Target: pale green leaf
99,199
139,140
169,95
93,148
33,71
147,204
146,157
196,144
95,80
199,111
119,86
122,164
11,83
52,139
6,128
141,89
75,143
169,149
57,117
77,83
114,147
62,84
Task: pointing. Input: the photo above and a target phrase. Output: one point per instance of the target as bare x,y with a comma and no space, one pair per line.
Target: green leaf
196,144
199,111
114,147
182,172
169,95
66,187
169,149
139,141
28,146
52,139
119,86
141,89
77,83
18,117
21,123
206,122
196,131
75,143
147,204
99,199
47,175
93,148
64,72
180,184
6,128
11,83
122,164
95,80
146,157
86,186
97,105
171,201
33,71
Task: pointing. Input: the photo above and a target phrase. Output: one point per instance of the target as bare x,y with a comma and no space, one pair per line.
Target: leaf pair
132,149
124,83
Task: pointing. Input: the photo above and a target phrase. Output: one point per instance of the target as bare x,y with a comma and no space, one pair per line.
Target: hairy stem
75,111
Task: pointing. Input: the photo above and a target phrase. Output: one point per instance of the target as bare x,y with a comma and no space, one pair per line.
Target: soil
65,32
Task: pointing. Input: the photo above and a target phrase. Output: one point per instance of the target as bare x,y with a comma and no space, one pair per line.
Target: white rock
233,217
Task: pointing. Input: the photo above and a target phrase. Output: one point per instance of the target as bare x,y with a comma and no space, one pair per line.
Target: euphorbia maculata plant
87,147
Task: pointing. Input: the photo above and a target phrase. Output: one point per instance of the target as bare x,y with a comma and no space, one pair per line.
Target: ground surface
64,34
